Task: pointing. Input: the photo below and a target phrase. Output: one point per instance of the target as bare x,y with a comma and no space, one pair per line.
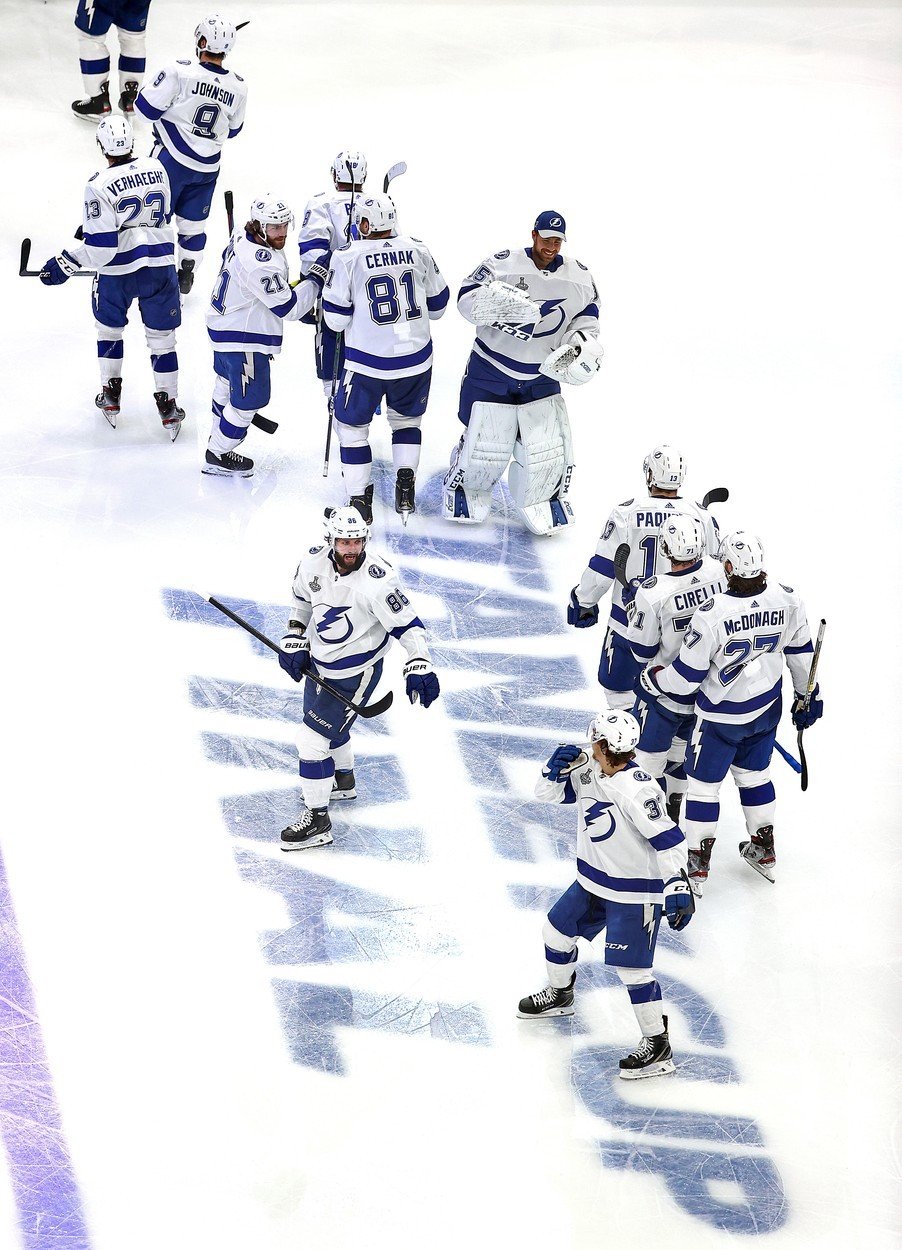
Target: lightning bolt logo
547,307
594,812
334,618
247,372
649,921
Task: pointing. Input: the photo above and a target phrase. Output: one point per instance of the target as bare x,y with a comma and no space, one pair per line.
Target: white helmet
353,161
345,523
620,730
665,468
269,210
218,34
378,210
745,553
114,134
682,537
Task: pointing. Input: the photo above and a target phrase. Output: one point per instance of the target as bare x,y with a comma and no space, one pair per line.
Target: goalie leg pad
478,461
539,476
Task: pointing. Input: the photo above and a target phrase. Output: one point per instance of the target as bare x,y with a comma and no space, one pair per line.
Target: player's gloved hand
58,269
562,761
629,592
422,682
679,902
802,717
648,680
581,615
294,655
319,272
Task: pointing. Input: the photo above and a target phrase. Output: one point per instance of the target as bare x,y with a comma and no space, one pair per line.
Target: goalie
536,314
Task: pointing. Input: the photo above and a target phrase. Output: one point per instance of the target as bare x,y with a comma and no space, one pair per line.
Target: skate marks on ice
518,687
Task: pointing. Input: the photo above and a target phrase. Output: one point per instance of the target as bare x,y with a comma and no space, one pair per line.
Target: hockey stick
790,759
339,339
25,272
372,709
621,557
241,25
395,172
809,690
719,494
230,211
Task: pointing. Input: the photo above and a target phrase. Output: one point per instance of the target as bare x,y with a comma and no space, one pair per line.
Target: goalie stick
25,272
371,710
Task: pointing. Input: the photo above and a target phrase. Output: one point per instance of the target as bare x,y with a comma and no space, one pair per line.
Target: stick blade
377,708
395,172
719,494
621,558
23,257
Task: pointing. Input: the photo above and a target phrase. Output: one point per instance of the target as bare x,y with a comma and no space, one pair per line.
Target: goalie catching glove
421,681
499,302
575,362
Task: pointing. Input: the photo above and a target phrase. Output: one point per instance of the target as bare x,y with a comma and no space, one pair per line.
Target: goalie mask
682,538
664,468
620,730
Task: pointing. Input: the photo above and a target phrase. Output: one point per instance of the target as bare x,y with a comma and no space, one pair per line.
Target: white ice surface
731,176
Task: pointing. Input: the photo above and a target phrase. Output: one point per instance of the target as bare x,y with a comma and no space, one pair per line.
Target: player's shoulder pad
502,255
627,503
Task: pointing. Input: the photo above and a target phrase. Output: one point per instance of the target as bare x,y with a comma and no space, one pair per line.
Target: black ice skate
171,414
759,852
186,276
405,493
548,1002
94,108
127,99
652,1057
344,785
312,828
674,803
364,504
108,399
699,863
229,464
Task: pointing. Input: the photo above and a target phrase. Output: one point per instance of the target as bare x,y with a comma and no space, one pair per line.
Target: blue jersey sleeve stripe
687,673
109,238
667,838
786,650
644,649
569,792
282,310
590,310
602,565
237,131
398,630
147,110
340,310
465,290
436,302
314,245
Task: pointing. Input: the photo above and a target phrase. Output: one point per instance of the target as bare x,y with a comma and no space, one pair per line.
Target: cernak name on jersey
379,260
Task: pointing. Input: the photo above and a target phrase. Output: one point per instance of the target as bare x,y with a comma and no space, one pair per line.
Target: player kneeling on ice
731,663
630,870
348,605
383,290
536,314
251,301
128,239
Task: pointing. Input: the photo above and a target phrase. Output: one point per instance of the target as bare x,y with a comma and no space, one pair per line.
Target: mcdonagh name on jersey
754,620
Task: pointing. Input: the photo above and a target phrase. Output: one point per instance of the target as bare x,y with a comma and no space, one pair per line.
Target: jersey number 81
385,307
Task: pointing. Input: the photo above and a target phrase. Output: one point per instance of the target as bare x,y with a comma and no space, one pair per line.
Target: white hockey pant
478,461
406,440
230,424
93,50
756,794
356,456
313,752
543,465
163,359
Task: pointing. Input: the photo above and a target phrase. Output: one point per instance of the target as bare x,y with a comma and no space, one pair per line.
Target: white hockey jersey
566,294
351,618
731,658
383,293
194,106
252,298
627,847
326,226
661,612
635,522
126,219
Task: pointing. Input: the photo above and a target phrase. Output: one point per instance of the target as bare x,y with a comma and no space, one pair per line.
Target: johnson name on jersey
252,298
731,658
565,292
383,293
351,618
636,523
194,106
662,611
627,847
326,226
126,219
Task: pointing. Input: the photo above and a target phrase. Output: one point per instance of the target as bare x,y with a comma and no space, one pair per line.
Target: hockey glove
294,656
563,761
319,272
422,682
58,269
629,592
802,717
679,903
648,680
581,615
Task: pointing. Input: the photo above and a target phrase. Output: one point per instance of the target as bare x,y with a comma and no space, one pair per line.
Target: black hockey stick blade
802,761
621,557
24,271
264,423
241,25
719,494
395,172
230,210
372,709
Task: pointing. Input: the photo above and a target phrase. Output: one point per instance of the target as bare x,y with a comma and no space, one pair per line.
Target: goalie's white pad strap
501,302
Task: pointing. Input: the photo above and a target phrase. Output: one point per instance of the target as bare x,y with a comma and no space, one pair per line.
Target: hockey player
93,19
325,228
637,523
731,663
195,107
251,300
536,314
630,870
348,604
382,291
128,239
659,616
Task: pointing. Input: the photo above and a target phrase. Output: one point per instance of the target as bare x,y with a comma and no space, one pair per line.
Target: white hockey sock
132,53
560,956
192,239
343,756
406,440
645,996
356,456
109,351
94,59
229,430
163,360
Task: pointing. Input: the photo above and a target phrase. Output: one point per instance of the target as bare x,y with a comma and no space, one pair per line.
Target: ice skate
548,1002
405,494
699,863
652,1057
759,852
108,399
229,464
364,504
171,414
94,108
312,828
186,276
127,98
344,785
